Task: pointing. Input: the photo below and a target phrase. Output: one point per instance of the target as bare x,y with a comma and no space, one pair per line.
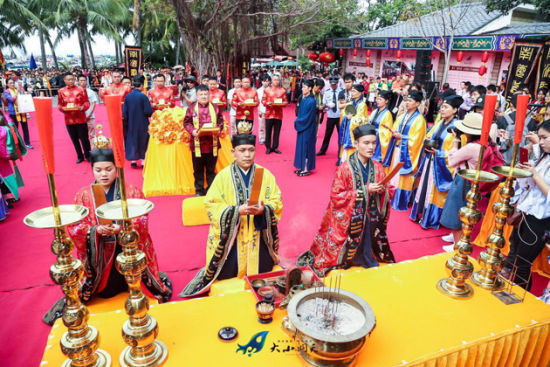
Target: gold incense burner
335,343
80,342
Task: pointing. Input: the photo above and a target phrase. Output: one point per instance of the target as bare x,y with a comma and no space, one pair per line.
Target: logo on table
255,344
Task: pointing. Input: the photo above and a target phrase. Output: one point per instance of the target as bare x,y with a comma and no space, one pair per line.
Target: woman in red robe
353,229
97,245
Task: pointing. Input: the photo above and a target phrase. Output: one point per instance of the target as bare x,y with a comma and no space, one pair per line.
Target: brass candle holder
141,329
491,259
461,268
80,342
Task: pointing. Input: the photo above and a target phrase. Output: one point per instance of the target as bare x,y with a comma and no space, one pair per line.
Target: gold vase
141,329
80,342
491,259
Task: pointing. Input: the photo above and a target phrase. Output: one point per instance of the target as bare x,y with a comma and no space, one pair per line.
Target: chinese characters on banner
524,59
133,60
543,72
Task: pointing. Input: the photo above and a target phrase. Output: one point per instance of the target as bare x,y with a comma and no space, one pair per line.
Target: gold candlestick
491,259
80,342
141,329
461,268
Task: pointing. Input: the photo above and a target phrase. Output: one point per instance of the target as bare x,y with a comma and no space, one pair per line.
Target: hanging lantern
459,57
313,56
367,63
341,52
354,53
399,54
484,57
326,57
482,70
368,53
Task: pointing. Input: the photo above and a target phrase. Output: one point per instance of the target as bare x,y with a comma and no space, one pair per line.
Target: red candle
521,112
114,113
488,112
43,107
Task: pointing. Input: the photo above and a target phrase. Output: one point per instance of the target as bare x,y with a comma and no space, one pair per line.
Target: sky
68,46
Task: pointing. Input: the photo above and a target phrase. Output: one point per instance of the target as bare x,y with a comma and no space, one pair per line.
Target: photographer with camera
531,219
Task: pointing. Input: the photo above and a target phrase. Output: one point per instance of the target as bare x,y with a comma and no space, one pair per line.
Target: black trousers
26,136
332,122
80,139
527,241
205,164
272,126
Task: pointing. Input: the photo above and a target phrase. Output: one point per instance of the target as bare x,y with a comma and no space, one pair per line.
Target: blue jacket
11,102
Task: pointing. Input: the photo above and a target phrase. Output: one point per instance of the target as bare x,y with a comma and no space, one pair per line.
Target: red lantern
326,57
354,52
367,63
484,56
313,56
482,70
368,53
399,54
341,52
459,57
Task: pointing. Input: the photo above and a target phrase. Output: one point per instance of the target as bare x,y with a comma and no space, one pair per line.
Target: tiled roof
430,25
522,28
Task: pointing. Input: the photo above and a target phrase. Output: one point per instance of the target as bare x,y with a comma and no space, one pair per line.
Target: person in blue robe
136,112
306,127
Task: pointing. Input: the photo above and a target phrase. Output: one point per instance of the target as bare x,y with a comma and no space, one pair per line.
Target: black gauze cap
454,101
363,130
359,87
243,139
416,95
102,155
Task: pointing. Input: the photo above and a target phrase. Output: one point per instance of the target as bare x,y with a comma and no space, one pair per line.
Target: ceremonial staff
141,329
80,342
461,268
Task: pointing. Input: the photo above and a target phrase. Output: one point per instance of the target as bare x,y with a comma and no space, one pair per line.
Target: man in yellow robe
243,239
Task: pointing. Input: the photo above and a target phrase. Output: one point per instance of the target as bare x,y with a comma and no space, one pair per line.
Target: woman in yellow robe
436,176
243,239
351,121
383,120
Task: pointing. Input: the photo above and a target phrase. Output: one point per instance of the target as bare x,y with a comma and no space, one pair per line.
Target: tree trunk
447,60
178,49
137,21
53,51
117,60
42,48
120,52
89,42
83,55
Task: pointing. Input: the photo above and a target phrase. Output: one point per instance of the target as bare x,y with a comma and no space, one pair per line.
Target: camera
432,144
452,129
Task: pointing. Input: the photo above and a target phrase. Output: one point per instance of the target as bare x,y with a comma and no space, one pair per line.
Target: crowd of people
417,137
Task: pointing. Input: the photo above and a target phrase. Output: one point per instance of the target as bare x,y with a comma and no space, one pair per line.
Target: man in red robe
244,101
73,102
97,243
353,229
217,96
161,96
274,99
116,88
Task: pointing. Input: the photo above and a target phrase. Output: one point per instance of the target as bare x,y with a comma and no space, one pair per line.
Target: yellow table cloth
168,168
540,265
416,325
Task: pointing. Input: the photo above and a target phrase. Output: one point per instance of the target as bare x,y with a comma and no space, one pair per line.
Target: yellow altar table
168,168
416,325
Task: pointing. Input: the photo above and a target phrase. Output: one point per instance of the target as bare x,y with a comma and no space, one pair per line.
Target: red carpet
27,291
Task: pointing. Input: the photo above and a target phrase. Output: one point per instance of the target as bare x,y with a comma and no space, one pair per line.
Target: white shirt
261,107
328,101
528,195
92,97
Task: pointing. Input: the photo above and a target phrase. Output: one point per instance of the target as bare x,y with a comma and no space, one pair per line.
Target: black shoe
268,151
29,146
321,153
277,151
134,164
297,171
304,173
79,160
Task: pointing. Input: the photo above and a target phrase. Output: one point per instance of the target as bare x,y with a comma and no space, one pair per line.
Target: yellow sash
196,124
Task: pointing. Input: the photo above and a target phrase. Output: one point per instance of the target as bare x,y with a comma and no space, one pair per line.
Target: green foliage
386,13
504,6
305,62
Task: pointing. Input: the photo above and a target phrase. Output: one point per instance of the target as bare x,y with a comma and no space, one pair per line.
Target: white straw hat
471,124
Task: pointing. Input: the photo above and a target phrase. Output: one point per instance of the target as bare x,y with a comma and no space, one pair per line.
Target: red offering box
271,276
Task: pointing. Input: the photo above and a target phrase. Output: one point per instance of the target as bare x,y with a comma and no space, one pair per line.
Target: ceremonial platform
416,325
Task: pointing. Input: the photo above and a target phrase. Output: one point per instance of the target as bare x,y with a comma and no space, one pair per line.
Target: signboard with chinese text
134,60
543,72
524,58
